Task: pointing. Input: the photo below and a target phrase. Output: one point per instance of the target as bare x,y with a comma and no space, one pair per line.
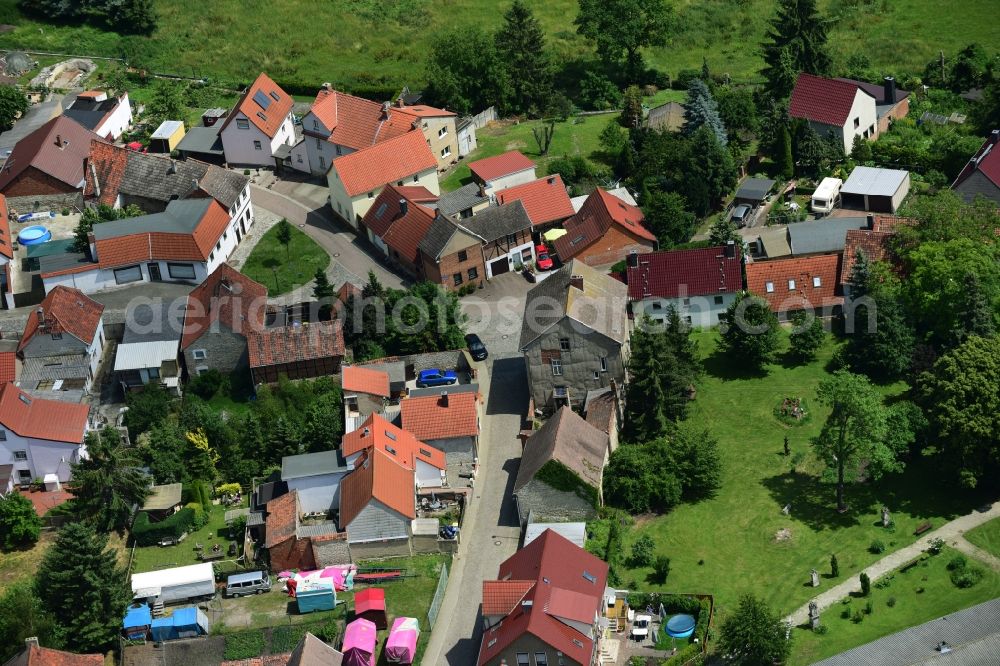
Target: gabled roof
874,181
63,160
376,476
356,122
311,651
440,233
400,445
498,221
441,416
51,420
682,273
500,597
545,199
986,161
599,213
89,112
399,230
386,162
877,91
466,197
33,655
805,272
226,297
873,243
64,311
423,111
498,166
357,379
294,344
599,306
567,439
264,104
282,518
312,464
822,100
822,236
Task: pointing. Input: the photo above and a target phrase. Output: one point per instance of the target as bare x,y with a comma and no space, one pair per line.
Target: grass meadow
986,536
282,269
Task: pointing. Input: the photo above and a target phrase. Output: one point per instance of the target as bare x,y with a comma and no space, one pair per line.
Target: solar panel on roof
262,100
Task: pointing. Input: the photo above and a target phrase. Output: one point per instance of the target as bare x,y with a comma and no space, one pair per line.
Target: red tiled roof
282,516
500,597
8,367
365,380
227,297
269,119
6,242
424,111
569,583
53,420
804,271
873,244
395,442
33,655
439,417
401,232
491,168
545,199
291,344
821,100
108,163
356,122
599,212
986,161
376,476
385,162
65,310
39,149
681,273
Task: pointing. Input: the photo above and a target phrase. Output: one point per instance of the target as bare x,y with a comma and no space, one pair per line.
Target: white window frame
21,456
769,287
604,364
556,365
791,284
446,151
817,282
257,145
199,354
565,344
242,123
182,273
443,132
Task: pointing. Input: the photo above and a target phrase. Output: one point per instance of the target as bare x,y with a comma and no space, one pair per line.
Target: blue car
435,377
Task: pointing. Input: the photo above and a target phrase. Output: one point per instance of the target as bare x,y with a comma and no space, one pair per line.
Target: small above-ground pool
680,626
34,235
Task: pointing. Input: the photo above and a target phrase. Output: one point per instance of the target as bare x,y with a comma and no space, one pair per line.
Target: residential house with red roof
699,284
300,351
545,199
981,175
835,108
874,242
366,392
294,544
35,655
105,116
355,180
801,283
438,127
378,505
258,125
41,438
62,342
427,463
604,231
446,418
398,221
502,171
48,161
891,102
546,604
220,315
184,243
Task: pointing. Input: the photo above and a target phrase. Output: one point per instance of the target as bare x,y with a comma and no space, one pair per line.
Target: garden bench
909,565
922,527
211,557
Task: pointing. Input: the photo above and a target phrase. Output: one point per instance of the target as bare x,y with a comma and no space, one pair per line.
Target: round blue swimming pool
680,626
34,235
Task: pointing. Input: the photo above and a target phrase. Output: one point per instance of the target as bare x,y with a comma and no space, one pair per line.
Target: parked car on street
435,377
741,215
544,262
476,347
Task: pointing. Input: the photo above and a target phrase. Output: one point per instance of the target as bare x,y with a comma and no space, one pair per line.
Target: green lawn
282,270
152,558
727,545
939,597
17,565
986,536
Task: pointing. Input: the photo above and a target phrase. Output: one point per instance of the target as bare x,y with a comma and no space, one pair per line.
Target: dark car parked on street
476,347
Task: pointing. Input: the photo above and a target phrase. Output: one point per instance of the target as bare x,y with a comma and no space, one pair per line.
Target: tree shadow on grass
723,366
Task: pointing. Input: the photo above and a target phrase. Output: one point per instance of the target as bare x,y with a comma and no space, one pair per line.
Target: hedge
145,533
245,645
672,603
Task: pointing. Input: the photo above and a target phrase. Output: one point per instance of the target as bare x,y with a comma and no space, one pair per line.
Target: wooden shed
167,136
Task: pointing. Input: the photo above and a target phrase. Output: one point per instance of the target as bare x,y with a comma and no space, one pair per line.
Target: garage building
875,190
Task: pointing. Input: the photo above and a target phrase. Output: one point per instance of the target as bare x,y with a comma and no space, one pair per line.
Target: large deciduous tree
520,45
700,110
21,617
753,635
467,75
795,42
751,331
881,339
807,335
13,105
19,523
108,483
622,28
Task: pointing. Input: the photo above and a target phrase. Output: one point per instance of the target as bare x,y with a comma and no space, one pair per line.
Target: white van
824,199
254,582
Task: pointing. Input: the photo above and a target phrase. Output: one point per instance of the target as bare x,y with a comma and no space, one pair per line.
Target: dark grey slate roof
754,188
570,440
154,177
159,321
396,371
826,235
973,634
312,464
498,221
224,185
89,112
437,236
461,199
205,140
180,217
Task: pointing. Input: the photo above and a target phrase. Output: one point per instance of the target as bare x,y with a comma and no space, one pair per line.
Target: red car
544,261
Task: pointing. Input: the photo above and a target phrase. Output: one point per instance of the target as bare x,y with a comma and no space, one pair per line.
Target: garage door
499,267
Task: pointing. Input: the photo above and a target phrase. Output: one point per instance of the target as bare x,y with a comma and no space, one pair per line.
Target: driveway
496,312
37,115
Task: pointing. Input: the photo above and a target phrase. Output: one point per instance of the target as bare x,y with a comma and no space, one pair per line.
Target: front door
154,272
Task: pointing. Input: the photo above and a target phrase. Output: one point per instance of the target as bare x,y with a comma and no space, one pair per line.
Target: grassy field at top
383,44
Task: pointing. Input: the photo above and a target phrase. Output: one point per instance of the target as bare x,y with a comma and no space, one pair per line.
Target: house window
526,254
201,369
57,336
218,246
399,183
316,127
604,364
688,319
154,373
769,287
564,344
24,475
225,235
597,375
718,300
20,455
816,281
199,354
791,285
446,151
256,145
463,255
211,255
522,659
128,274
857,123
657,305
415,179
181,271
3,435
511,238
319,144
322,162
340,150
473,273
242,123
442,132
541,659
687,301
457,279
556,367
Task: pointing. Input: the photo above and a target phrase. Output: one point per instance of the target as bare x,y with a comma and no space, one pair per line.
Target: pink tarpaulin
359,643
402,642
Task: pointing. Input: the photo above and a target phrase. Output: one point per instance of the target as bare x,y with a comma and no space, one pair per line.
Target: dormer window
816,281
791,285
769,287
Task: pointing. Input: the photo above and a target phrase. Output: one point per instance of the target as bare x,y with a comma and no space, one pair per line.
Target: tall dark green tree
807,335
640,478
795,42
700,110
724,230
696,462
622,28
520,45
707,174
13,104
753,635
467,75
976,315
668,218
786,165
881,340
108,483
751,331
81,585
137,17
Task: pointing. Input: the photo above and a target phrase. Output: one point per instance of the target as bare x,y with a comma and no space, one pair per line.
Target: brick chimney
444,399
399,102
40,316
576,281
31,641
404,206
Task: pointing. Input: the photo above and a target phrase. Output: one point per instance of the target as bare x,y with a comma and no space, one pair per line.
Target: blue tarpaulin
182,623
137,621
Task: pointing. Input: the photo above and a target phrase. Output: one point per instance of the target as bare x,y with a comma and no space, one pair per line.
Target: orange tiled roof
397,443
500,597
365,380
52,420
599,212
545,199
282,516
108,163
269,119
424,111
491,168
357,122
291,344
34,655
796,284
439,417
379,477
228,297
65,310
8,367
385,162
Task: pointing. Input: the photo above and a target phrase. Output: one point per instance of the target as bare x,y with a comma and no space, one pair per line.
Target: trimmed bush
963,574
145,533
200,515
206,385
876,547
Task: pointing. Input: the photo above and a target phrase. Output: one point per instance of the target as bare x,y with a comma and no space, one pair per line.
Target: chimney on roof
31,641
550,180
364,433
576,281
172,169
403,207
40,316
326,85
730,250
632,259
994,137
400,102
59,141
385,110
889,90
444,399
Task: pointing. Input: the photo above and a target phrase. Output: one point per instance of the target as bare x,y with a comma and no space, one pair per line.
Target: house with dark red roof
981,175
447,418
835,108
62,342
545,200
35,655
499,172
547,602
294,544
300,351
604,231
801,283
378,505
398,221
874,242
699,284
48,161
258,125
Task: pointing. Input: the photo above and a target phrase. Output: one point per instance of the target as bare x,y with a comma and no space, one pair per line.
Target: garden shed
369,604
186,622
753,191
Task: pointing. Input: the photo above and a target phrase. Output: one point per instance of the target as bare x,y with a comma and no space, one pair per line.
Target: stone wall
46,202
331,549
225,351
548,505
426,543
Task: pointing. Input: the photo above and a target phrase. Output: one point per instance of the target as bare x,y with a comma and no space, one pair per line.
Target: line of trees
128,17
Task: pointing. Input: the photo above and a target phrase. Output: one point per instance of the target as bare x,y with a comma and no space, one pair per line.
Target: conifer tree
520,45
700,110
795,42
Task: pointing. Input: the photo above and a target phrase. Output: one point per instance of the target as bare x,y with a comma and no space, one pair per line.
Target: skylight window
390,449
816,281
591,578
274,96
25,399
390,435
262,116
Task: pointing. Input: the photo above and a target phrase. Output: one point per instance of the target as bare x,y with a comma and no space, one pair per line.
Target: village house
545,200
874,242
62,343
356,179
35,655
504,234
150,348
499,172
39,439
600,409
835,108
604,231
824,236
398,221
426,462
548,602
464,202
220,313
801,283
377,505
438,127
575,336
258,125
316,478
891,103
566,446
107,117
451,255
445,418
300,351
466,129
699,284
366,392
295,543
981,175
